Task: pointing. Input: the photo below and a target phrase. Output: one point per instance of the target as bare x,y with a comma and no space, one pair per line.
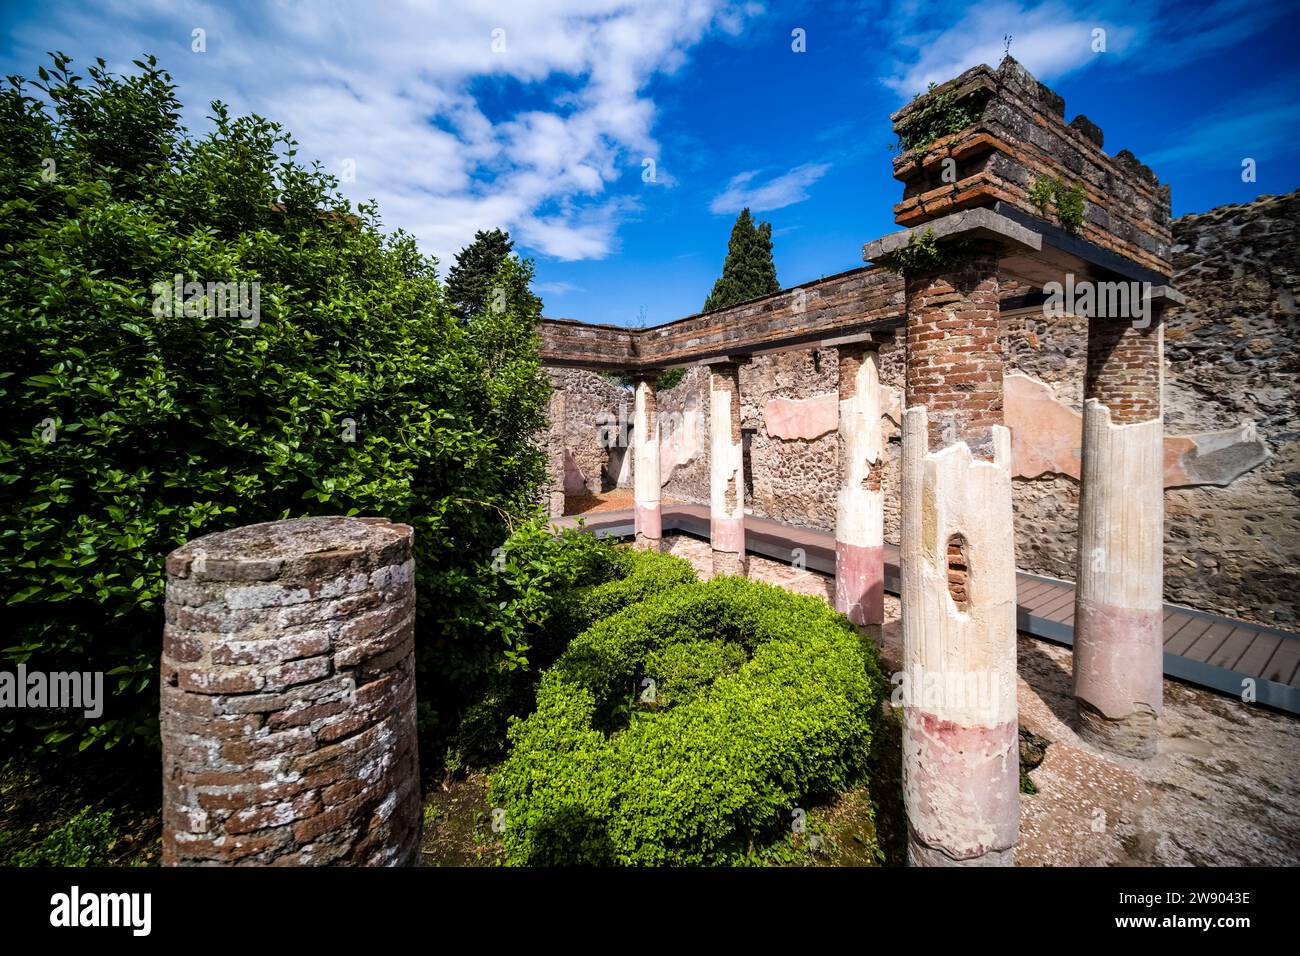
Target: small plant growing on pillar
1068,200
940,114
924,253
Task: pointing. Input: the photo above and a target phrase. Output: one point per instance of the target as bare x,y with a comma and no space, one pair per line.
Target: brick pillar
1119,601
288,696
860,509
726,470
645,466
961,747
555,454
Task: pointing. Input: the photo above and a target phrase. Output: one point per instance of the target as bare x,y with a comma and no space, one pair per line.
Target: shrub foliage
129,429
760,699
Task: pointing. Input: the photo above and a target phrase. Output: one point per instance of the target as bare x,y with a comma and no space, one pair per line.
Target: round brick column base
287,708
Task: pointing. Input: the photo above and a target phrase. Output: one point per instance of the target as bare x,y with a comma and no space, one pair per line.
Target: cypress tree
748,271
469,283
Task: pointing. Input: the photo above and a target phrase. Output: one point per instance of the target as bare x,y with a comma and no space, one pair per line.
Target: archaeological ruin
1043,406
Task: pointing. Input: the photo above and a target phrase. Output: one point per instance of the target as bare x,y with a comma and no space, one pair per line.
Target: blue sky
540,117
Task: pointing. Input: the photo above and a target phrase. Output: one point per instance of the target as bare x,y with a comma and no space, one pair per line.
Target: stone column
961,743
1119,601
860,509
555,453
726,470
288,696
645,464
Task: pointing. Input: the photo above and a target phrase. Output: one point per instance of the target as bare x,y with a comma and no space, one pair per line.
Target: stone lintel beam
868,340
714,361
981,224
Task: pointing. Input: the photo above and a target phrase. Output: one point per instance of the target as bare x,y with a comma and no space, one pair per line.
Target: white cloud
932,42
387,85
1051,39
784,190
555,288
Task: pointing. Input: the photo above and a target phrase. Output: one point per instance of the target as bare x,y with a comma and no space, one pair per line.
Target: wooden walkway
1201,648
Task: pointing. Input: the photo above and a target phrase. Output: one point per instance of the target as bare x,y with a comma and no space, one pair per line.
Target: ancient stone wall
287,708
597,412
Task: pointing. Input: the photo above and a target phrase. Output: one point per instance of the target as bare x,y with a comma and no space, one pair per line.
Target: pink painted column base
957,789
727,536
860,582
649,525
1118,676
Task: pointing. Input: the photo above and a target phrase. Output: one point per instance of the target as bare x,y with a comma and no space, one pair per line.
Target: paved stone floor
619,499
1224,789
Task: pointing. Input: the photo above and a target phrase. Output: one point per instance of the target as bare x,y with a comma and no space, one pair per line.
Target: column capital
860,340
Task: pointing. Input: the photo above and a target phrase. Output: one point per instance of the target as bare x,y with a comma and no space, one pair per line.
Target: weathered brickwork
1019,137
954,357
820,309
288,696
1124,368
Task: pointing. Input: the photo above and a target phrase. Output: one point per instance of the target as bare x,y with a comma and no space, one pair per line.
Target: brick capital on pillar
1119,597
961,777
645,471
726,470
859,507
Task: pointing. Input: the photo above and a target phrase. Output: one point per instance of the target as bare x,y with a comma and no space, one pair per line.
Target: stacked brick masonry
288,696
1021,137
954,364
1124,369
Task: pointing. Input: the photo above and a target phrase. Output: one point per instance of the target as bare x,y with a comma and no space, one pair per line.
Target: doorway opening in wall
747,440
617,471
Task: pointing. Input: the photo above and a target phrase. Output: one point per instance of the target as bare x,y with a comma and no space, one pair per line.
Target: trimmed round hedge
761,699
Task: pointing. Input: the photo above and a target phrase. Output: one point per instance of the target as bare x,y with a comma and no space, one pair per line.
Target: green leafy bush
552,587
778,709
924,253
130,427
85,840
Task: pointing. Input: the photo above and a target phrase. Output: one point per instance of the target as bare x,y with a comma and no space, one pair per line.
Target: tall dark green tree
469,283
749,271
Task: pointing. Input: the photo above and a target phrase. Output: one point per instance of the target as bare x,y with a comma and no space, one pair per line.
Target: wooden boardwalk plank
1208,643
1257,656
1052,609
1238,641
1187,635
1282,665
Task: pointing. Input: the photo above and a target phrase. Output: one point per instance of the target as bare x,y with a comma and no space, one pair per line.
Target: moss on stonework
924,253
1068,200
939,115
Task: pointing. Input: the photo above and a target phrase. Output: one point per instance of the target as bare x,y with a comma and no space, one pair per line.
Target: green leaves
760,699
129,429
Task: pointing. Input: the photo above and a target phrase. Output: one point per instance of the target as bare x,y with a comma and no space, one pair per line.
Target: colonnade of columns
961,741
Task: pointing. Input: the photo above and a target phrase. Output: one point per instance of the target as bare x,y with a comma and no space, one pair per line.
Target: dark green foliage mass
748,272
470,281
132,423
